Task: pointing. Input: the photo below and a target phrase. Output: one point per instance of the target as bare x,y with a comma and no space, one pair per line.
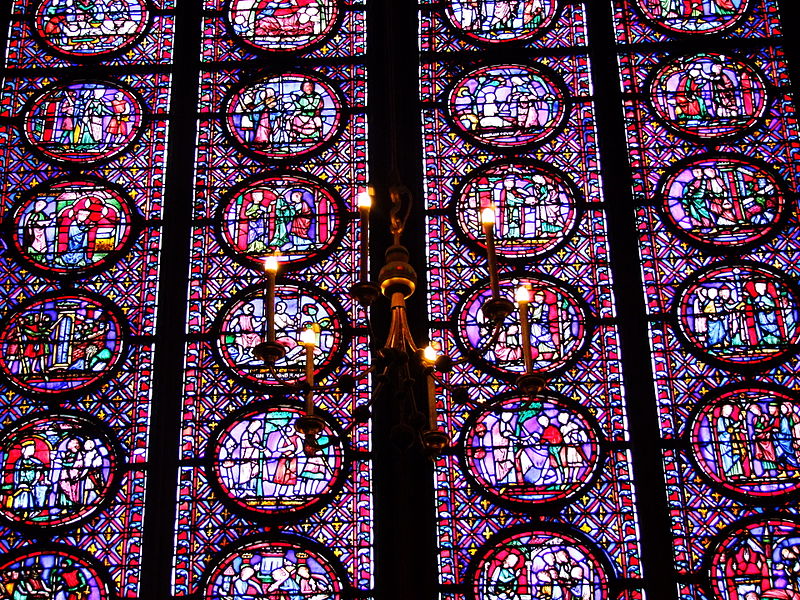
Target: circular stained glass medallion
507,106
59,568
536,209
758,560
282,25
739,315
532,563
276,569
558,326
90,29
284,116
262,464
242,325
83,122
61,342
529,451
723,202
746,439
501,20
71,226
709,96
695,17
57,469
296,215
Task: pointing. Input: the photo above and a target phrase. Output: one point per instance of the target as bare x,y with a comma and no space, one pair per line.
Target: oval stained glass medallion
61,342
55,569
739,315
507,106
500,20
71,226
747,440
295,215
696,17
262,464
536,209
282,25
723,202
530,451
83,122
284,116
90,29
709,96
242,325
558,326
57,469
756,560
531,563
275,569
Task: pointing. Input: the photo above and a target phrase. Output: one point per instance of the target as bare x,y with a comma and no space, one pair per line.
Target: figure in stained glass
537,564
263,464
57,469
748,440
285,570
557,326
723,202
507,105
757,561
536,208
501,20
742,315
52,574
62,342
89,28
694,16
709,95
70,226
82,122
282,25
243,325
284,115
293,215
529,451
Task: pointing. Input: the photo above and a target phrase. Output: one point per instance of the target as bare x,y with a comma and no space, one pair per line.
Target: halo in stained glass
276,568
293,214
284,116
83,121
242,325
61,342
708,96
526,451
558,325
536,208
756,559
724,202
58,469
531,562
696,17
501,21
746,439
90,29
261,464
54,567
72,226
281,25
739,315
507,106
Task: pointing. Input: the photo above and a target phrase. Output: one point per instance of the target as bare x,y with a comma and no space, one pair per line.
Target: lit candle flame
522,295
488,216
429,354
271,264
364,200
309,337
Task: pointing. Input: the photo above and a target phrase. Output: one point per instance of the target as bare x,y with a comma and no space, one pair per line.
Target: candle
309,339
488,216
523,297
429,356
271,267
364,206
